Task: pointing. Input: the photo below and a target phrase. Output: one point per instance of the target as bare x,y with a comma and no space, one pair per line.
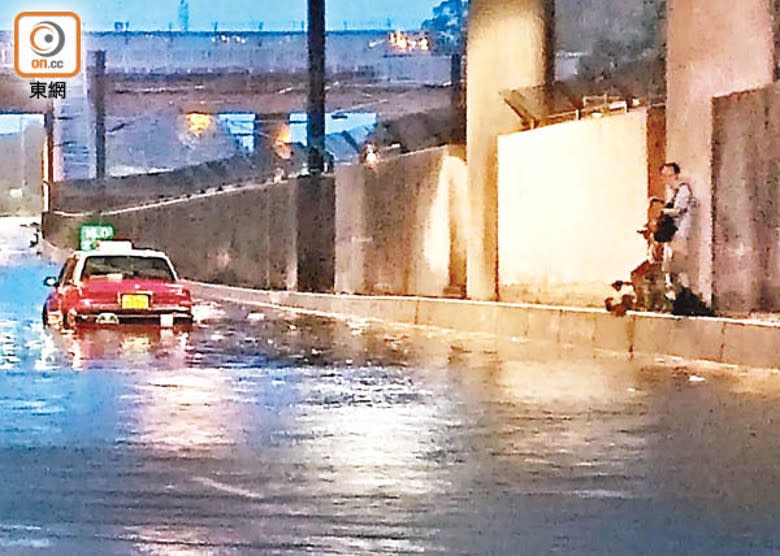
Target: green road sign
91,234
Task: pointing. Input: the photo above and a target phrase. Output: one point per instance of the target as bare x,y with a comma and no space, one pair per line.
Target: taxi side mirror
50,281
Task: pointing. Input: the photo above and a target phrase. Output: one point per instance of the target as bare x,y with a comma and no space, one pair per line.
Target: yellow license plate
135,301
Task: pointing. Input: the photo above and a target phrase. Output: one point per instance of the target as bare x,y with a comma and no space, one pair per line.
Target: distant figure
679,202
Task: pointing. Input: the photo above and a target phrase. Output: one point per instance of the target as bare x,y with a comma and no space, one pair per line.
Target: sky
99,15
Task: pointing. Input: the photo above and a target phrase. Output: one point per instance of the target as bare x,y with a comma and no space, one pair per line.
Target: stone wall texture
714,48
746,193
400,225
278,236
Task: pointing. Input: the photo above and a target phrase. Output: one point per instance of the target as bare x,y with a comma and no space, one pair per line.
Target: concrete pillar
315,242
715,48
48,159
257,127
456,100
74,137
509,47
99,103
315,123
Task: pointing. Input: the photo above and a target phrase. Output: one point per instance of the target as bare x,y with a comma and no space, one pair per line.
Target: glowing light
284,136
282,143
372,156
453,179
198,123
185,410
407,42
373,448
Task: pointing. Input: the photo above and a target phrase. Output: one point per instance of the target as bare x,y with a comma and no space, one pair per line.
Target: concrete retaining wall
570,199
715,48
129,191
400,225
746,192
725,341
278,236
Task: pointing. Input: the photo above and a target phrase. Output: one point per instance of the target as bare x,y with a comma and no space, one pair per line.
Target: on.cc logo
47,39
47,44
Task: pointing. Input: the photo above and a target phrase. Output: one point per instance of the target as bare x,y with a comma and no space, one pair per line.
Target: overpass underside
139,106
264,94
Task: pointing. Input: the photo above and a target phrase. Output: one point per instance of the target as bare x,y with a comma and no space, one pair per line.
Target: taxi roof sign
91,235
108,245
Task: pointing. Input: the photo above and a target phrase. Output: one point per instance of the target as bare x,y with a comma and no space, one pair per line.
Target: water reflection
264,431
168,404
185,410
374,448
123,348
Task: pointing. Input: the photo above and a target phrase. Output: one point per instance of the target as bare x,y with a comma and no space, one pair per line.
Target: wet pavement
262,431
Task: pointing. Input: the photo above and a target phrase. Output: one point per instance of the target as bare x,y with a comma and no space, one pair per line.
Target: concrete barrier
724,341
614,333
399,224
753,344
544,324
511,321
278,236
577,328
457,315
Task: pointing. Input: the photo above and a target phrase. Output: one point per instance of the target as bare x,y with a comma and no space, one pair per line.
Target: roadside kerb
725,341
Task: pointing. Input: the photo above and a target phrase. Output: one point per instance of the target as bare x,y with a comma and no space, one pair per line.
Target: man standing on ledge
679,201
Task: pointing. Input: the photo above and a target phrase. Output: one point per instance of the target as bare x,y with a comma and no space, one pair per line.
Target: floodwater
269,432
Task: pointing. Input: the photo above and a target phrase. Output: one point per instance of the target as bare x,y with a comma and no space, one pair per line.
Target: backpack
666,226
688,304
665,229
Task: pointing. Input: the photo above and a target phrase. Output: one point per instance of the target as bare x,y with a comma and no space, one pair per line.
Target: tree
448,26
617,48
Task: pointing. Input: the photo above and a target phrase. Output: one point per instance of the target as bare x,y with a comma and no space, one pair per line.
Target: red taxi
116,284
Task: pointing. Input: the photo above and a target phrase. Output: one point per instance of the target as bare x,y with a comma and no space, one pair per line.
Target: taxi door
65,292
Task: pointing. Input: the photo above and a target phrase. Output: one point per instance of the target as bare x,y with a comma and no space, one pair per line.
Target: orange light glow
284,136
407,43
282,142
198,123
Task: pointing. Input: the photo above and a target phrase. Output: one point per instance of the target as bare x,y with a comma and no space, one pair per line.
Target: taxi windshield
149,268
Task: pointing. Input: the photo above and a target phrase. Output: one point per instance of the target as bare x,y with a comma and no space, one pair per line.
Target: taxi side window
66,276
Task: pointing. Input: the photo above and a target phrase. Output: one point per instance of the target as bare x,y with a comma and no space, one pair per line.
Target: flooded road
262,431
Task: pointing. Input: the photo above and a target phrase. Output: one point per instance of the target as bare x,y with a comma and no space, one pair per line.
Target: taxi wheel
69,320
